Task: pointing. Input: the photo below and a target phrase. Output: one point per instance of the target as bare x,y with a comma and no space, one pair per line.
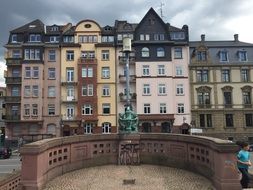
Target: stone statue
128,121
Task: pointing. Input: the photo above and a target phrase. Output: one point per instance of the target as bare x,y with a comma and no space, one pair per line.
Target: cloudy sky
218,19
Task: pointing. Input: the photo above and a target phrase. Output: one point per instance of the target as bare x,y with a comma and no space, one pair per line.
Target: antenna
161,10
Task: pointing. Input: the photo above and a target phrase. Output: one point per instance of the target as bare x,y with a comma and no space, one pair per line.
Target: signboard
196,130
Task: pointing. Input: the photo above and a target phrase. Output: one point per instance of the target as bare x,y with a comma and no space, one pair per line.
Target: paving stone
147,177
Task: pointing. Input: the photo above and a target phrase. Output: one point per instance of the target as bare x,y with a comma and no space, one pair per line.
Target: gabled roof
49,29
151,11
124,26
108,30
70,31
36,26
173,28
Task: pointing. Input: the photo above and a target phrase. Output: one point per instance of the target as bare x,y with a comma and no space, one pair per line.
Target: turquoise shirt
243,156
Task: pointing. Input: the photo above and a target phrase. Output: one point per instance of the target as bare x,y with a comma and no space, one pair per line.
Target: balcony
123,97
122,60
122,78
12,99
247,105
69,118
13,80
87,60
12,118
13,61
204,106
69,99
68,83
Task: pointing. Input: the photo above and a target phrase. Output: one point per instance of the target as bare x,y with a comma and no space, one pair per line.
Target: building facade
221,88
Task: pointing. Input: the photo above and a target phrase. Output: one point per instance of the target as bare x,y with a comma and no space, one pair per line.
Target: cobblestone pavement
147,177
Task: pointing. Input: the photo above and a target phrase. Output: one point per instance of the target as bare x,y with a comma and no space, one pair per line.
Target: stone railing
11,181
210,157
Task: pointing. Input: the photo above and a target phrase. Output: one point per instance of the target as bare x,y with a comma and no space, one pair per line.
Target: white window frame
163,108
145,70
180,108
105,72
106,128
88,108
161,89
146,108
51,91
146,89
180,89
106,90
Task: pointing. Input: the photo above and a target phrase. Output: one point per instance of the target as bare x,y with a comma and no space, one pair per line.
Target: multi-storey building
2,114
221,88
161,55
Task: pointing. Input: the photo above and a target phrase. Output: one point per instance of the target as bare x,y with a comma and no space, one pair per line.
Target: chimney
236,36
202,37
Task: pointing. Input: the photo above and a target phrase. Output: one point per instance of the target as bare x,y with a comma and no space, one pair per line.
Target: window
202,76
26,109
54,39
87,72
158,37
27,91
106,90
70,75
163,108
88,128
51,91
15,72
225,75
227,99
106,108
105,55
14,110
68,39
51,73
87,109
34,38
203,98
16,53
35,110
147,37
105,72
145,52
15,91
145,70
87,38
146,108
51,109
201,55
69,55
32,54
107,38
179,71
119,37
160,52
246,97
180,108
177,35
35,90
229,120
161,70
51,55
248,120
70,112
106,128
180,89
161,89
146,89
35,72
178,54
14,38
242,55
245,75
141,37
87,90
88,54
223,56
205,120
70,91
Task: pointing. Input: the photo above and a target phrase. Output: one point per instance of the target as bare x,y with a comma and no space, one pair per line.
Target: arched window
145,52
51,129
160,52
106,127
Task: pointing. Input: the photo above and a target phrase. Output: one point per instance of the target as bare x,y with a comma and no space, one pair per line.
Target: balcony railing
122,78
123,97
66,83
13,61
69,118
69,99
87,60
13,80
13,118
12,99
204,105
122,60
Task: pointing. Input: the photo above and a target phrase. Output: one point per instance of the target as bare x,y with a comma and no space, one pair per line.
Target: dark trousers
245,177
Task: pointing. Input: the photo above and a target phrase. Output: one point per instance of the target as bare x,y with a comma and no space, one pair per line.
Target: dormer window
145,52
14,38
223,56
177,35
54,39
158,37
55,28
201,55
242,55
35,38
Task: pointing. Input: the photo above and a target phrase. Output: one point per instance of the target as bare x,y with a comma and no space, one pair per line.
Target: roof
228,43
36,26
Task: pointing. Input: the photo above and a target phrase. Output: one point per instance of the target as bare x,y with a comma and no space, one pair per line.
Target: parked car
5,152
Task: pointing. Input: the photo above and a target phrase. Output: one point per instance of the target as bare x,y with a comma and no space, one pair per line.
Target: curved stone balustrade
210,157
